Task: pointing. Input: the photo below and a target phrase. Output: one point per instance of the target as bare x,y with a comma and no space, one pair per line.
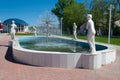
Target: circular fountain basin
64,52
52,44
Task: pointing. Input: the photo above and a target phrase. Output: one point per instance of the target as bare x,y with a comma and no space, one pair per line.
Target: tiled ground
11,70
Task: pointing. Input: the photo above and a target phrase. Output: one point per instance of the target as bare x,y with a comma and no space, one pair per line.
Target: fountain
35,31
48,25
63,52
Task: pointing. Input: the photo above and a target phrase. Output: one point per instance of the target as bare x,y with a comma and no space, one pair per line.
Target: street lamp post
109,32
61,25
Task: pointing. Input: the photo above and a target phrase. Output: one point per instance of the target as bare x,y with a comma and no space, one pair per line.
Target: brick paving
11,70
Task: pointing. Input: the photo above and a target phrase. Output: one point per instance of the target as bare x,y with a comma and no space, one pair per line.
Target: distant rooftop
17,21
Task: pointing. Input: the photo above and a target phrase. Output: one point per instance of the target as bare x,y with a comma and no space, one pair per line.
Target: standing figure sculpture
35,31
91,34
13,31
74,31
117,23
26,29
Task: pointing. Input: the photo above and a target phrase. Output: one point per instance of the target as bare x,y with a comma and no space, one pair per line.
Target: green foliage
60,5
74,13
102,39
100,11
71,11
24,34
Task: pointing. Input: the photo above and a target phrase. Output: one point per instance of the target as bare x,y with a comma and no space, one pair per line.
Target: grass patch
102,39
24,34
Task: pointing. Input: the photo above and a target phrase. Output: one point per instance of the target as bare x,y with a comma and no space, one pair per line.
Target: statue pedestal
91,61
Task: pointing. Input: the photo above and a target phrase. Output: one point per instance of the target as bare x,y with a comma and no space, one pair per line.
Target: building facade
21,25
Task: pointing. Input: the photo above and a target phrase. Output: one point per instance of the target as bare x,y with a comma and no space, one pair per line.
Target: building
1,27
21,25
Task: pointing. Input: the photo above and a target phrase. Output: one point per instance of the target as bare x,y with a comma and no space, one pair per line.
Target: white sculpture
117,23
26,29
35,32
74,31
91,34
13,31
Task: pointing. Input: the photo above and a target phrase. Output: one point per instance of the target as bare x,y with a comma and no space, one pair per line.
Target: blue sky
27,10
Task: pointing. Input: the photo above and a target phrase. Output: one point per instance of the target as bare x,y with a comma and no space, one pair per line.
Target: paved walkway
11,70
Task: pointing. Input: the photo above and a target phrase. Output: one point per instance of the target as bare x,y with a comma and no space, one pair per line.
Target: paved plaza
12,70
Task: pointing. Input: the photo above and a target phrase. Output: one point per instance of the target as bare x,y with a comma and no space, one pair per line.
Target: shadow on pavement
9,56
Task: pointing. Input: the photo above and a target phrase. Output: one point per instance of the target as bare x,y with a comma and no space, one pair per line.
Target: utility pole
61,25
109,32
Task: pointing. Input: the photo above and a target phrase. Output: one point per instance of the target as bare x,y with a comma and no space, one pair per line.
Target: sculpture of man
74,31
13,31
91,34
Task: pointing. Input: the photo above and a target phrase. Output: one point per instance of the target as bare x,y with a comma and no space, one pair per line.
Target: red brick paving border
16,71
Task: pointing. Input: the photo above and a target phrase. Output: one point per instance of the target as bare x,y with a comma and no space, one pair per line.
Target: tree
115,16
60,5
71,11
99,10
74,13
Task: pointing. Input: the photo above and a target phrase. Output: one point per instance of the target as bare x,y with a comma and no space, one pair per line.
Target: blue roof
17,21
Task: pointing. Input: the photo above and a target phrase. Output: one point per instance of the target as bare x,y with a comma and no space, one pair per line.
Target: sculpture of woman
13,31
91,34
35,32
74,31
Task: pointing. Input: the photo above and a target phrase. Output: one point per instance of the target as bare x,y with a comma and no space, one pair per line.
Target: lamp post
109,32
61,25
